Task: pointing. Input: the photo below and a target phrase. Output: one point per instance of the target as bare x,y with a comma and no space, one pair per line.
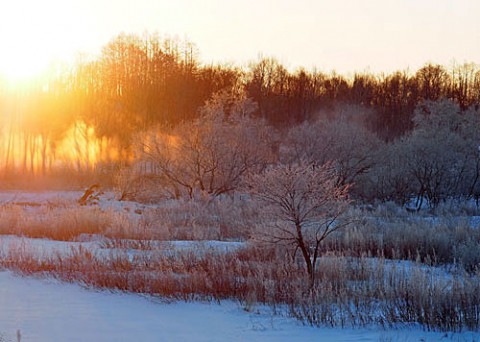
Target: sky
341,35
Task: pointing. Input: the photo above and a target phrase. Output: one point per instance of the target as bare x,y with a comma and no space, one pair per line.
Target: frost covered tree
442,151
344,141
388,180
212,153
302,204
439,159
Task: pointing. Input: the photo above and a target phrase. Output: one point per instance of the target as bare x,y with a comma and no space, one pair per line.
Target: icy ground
46,310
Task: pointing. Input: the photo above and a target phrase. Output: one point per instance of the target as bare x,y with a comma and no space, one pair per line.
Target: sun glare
33,35
20,67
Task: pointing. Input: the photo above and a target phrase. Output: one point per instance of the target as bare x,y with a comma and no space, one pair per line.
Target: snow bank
46,310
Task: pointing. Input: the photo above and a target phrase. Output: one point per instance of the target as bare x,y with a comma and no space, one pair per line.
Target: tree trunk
306,254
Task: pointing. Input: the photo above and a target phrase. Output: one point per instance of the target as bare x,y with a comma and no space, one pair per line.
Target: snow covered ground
46,310
39,197
64,198
44,247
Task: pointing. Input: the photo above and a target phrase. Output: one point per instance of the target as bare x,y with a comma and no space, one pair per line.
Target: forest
145,108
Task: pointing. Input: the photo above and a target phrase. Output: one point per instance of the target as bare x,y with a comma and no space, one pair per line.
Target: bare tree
211,154
302,204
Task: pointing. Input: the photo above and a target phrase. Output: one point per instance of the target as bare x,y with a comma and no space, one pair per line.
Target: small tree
302,204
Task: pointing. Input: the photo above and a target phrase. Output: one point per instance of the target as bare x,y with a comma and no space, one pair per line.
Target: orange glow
79,150
80,146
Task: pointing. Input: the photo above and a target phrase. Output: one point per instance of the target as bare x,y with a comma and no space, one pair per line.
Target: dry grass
221,218
199,219
55,223
431,240
351,288
348,292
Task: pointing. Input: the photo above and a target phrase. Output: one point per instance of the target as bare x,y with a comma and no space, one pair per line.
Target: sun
21,55
19,66
33,35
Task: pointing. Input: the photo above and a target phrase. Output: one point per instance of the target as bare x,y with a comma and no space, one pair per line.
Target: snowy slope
45,310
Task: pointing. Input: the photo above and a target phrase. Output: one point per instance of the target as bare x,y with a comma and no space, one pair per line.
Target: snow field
47,310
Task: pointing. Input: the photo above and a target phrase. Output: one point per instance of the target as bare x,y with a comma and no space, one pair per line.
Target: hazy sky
346,35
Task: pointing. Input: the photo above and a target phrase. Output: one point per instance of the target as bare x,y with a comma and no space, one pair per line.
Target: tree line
89,116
